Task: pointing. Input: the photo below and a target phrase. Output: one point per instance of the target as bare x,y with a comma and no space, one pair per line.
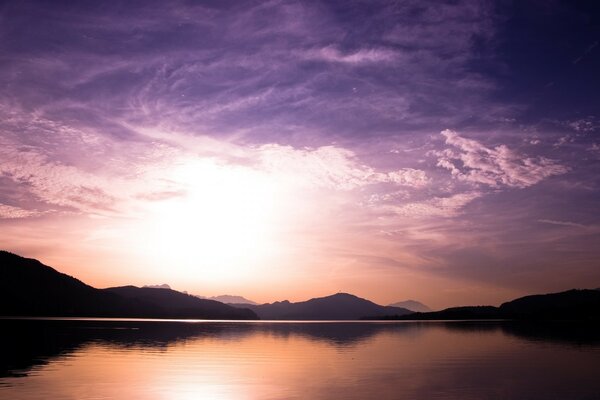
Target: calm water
261,360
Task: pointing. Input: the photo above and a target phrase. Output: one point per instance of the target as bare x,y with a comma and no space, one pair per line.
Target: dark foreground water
101,359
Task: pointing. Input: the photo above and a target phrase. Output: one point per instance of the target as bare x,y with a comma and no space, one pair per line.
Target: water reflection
258,360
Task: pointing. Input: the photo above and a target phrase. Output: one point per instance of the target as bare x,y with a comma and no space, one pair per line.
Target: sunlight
222,226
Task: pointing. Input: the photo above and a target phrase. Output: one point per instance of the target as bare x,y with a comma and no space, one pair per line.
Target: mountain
411,305
229,299
174,304
580,305
340,306
30,288
163,286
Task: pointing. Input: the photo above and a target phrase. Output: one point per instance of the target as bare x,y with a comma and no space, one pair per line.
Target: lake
133,359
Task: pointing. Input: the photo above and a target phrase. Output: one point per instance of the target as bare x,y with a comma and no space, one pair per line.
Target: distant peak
412,305
342,294
232,299
163,286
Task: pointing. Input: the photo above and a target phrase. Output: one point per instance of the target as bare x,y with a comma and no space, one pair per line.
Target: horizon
448,154
163,286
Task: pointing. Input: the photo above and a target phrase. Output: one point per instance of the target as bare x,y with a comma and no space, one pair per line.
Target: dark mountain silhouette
30,288
181,305
411,305
572,304
340,306
575,304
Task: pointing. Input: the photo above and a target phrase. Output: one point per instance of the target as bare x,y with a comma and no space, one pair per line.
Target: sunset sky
447,152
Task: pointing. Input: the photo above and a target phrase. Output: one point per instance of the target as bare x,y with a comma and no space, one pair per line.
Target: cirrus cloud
470,161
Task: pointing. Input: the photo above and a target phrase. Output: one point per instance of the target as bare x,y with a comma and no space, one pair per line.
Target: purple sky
444,151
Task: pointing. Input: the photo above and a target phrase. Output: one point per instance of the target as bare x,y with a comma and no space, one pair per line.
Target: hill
340,306
572,304
30,288
174,304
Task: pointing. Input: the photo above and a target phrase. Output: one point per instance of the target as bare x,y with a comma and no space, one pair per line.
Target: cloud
333,167
470,161
562,223
11,212
361,56
53,182
415,178
437,206
251,70
161,195
595,148
585,125
69,175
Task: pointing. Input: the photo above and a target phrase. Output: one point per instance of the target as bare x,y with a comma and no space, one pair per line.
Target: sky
443,151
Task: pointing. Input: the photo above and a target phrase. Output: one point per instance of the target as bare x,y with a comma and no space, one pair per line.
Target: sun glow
222,225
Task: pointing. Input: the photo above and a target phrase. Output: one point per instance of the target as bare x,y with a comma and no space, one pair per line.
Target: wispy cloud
562,223
450,206
586,125
334,167
10,212
470,161
361,56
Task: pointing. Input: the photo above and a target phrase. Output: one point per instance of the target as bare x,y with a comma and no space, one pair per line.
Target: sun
223,225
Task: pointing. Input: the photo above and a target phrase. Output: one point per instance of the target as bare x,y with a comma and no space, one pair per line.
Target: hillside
30,288
572,304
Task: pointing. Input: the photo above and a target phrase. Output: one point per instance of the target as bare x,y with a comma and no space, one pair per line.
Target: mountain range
161,286
224,298
30,288
340,306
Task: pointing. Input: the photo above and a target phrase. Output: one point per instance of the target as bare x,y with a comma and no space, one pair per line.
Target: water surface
121,359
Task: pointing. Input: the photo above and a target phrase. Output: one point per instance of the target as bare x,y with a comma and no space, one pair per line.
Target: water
120,359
